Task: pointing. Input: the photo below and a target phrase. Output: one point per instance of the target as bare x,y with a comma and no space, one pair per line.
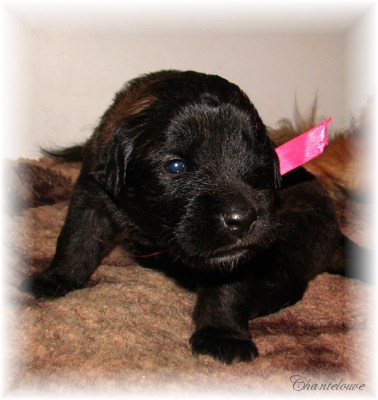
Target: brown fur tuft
343,167
133,99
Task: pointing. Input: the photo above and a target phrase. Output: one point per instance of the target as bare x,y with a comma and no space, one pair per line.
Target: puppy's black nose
238,220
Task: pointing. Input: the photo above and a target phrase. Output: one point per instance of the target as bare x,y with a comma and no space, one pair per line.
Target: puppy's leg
222,313
221,319
80,244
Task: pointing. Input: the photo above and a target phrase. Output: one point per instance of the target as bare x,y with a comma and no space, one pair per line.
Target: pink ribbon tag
303,148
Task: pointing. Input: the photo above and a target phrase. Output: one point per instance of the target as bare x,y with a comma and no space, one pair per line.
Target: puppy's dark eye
175,166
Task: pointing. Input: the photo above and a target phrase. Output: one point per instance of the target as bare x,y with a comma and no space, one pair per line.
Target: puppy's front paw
223,344
46,284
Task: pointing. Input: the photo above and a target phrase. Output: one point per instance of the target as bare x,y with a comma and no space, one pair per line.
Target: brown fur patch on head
132,100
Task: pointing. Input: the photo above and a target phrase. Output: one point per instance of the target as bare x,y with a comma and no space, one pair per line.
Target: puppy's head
193,170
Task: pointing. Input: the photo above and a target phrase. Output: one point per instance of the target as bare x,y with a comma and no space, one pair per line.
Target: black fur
74,153
250,240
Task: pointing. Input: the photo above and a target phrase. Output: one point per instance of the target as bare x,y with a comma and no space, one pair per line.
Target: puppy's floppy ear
112,164
277,175
270,149
277,178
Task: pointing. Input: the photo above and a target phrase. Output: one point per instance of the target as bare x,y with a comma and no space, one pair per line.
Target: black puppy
182,162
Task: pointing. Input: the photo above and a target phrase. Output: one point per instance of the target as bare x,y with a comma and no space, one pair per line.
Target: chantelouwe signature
303,383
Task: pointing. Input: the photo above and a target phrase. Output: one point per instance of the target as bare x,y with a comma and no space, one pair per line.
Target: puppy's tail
67,154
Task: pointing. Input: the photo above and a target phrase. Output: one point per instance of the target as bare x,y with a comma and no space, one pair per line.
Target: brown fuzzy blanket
128,329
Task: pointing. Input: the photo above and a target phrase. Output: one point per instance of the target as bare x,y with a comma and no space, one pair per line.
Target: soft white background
65,60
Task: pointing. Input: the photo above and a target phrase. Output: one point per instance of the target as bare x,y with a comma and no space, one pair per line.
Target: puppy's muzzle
238,219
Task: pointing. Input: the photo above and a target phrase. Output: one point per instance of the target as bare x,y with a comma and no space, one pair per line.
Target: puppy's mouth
227,257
